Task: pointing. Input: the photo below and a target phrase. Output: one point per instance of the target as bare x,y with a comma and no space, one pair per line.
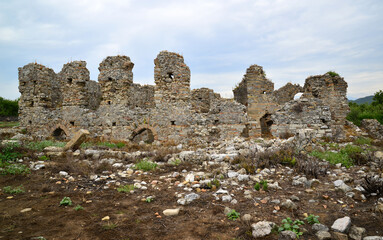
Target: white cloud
292,39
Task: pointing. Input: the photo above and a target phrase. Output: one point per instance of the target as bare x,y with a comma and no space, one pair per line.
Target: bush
39,146
126,188
289,225
78,208
367,111
66,201
13,190
9,107
233,215
8,155
311,219
333,74
145,165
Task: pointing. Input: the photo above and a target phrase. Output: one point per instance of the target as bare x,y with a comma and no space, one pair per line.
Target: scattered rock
323,235
262,229
287,235
341,224
246,217
356,233
106,218
288,204
171,212
26,210
339,236
77,140
319,227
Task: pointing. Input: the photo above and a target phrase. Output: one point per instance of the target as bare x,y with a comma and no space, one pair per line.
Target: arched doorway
266,123
144,134
59,134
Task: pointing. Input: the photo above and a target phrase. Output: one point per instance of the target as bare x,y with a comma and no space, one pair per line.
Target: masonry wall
57,105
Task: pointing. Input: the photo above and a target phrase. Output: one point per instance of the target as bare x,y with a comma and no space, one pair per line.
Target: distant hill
362,100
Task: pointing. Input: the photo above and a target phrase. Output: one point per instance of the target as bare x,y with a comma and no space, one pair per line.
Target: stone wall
57,105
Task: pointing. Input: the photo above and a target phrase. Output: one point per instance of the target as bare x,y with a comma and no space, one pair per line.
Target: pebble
171,212
26,210
341,224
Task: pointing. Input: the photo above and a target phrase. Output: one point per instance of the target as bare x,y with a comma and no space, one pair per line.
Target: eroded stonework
57,105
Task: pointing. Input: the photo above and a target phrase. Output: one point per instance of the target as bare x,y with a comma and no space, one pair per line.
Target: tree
378,98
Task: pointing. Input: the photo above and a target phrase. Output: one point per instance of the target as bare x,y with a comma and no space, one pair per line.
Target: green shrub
44,158
262,184
126,188
103,144
66,202
233,215
214,182
358,112
9,107
9,124
334,157
9,153
363,141
289,225
333,74
78,208
149,199
311,219
145,165
13,190
39,146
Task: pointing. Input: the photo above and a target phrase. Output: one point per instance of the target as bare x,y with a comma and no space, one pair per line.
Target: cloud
291,39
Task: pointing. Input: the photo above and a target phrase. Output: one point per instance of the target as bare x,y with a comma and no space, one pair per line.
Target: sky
219,39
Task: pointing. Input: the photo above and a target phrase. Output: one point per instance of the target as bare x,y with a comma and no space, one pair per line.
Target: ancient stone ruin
57,105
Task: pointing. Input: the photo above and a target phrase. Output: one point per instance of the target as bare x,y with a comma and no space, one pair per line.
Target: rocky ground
238,189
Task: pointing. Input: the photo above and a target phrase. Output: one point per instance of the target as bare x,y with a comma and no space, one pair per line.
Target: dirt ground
133,218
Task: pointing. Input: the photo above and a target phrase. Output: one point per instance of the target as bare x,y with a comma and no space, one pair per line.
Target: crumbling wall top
119,61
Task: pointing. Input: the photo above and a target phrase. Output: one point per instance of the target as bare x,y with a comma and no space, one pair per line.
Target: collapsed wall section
74,78
116,79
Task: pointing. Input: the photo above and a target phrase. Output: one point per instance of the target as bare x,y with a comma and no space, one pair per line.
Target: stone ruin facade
115,108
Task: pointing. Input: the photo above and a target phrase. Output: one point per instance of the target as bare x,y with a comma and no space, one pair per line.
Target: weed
126,188
311,219
344,156
66,202
39,146
44,158
149,199
9,152
333,74
145,165
103,144
288,160
363,141
214,182
9,124
176,162
109,226
13,169
13,190
289,225
78,207
262,184
233,215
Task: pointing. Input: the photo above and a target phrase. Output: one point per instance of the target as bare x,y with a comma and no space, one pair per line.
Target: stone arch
59,132
144,133
266,123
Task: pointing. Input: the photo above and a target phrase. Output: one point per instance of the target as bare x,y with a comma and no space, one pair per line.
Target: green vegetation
66,202
145,165
367,111
44,158
8,124
263,184
346,156
78,208
39,146
214,182
149,199
176,162
109,226
233,215
333,74
13,190
289,225
9,107
9,153
288,160
103,144
363,141
311,219
126,188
